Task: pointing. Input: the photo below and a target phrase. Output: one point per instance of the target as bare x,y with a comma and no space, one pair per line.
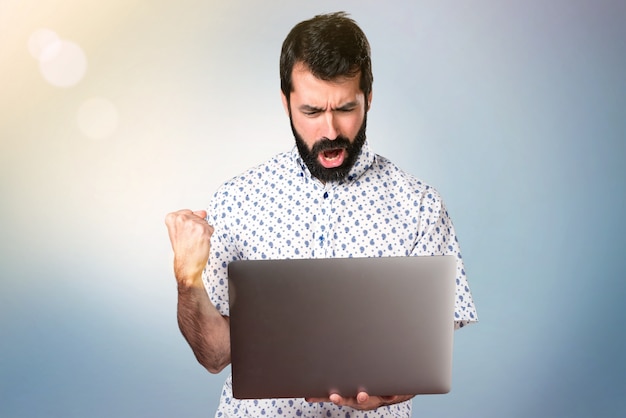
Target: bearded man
330,196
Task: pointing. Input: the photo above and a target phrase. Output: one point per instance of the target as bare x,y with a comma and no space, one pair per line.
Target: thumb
200,213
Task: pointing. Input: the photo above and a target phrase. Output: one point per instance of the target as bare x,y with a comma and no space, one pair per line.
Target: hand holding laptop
362,401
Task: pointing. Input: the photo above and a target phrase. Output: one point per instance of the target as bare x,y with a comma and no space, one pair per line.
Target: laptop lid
311,327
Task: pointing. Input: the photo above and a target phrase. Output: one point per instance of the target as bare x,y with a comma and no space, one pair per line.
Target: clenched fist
190,236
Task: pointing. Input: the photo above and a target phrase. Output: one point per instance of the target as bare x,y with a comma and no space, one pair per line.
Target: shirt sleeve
223,251
436,236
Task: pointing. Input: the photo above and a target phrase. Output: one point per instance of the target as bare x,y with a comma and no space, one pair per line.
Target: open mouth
332,158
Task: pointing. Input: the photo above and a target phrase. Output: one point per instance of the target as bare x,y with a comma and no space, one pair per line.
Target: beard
310,157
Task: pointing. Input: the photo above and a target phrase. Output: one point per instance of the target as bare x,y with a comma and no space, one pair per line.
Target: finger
316,400
184,224
362,397
389,399
171,217
200,213
183,216
170,221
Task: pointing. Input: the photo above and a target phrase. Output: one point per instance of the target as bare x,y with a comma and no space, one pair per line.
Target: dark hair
330,45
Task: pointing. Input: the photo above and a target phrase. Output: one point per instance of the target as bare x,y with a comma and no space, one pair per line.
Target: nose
330,128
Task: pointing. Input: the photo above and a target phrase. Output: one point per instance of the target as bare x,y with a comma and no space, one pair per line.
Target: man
329,197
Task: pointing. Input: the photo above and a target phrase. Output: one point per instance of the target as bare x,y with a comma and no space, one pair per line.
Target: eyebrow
345,106
310,109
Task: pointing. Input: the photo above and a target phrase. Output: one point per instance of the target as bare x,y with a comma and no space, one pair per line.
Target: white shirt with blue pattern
278,211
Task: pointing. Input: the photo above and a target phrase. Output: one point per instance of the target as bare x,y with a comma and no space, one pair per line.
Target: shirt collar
363,163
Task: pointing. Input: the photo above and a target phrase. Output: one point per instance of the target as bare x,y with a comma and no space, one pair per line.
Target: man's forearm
204,328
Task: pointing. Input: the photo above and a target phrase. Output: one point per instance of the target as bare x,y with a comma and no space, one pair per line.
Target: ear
285,103
369,101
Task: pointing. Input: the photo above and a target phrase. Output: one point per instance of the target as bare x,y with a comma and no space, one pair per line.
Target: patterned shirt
277,210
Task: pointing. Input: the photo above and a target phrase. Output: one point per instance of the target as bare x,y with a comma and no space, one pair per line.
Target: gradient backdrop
113,113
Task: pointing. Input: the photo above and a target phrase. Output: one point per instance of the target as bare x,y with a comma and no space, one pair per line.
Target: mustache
325,144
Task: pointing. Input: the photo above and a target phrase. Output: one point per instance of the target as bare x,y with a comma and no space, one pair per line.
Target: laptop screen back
308,328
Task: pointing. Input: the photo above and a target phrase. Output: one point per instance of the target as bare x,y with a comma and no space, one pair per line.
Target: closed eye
314,111
348,107
310,110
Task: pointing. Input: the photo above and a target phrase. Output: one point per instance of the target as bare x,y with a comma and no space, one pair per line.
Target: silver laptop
308,328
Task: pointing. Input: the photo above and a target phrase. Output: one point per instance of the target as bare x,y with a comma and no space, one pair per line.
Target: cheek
350,126
308,129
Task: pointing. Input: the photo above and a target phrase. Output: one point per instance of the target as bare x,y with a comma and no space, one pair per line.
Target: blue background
515,111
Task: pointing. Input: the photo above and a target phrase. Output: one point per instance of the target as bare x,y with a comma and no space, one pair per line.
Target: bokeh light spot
97,118
40,40
62,63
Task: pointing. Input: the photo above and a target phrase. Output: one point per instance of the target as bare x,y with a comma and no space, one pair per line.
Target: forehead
307,88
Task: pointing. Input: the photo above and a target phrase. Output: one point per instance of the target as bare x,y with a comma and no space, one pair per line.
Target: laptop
311,327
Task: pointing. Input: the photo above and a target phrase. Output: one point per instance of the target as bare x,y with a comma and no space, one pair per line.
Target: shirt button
325,195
